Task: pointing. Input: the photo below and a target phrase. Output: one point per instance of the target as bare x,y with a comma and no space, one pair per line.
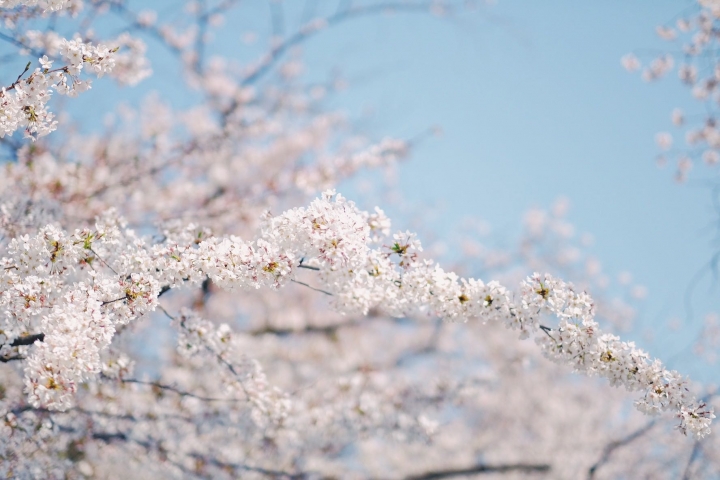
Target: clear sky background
534,105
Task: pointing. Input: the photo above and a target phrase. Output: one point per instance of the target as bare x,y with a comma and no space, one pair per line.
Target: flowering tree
290,333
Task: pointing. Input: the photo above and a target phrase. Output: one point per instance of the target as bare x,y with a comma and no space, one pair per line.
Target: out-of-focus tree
278,330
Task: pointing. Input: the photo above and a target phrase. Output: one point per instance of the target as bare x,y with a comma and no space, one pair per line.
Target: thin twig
182,393
113,301
309,267
614,445
311,288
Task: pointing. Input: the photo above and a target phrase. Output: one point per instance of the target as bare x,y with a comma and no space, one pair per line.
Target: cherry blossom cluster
51,286
127,64
418,287
57,271
24,104
99,59
577,341
77,289
131,63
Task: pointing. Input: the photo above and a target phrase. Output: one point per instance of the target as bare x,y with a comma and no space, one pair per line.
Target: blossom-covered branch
75,275
23,105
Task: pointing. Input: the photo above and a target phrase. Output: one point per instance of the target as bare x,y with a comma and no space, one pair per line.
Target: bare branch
337,18
612,446
278,51
311,288
309,267
693,456
19,44
27,340
10,359
324,329
482,468
247,468
182,393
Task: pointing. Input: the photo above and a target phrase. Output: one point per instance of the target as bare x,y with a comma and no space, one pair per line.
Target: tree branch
19,44
27,340
311,288
481,468
182,393
693,456
10,359
339,17
612,446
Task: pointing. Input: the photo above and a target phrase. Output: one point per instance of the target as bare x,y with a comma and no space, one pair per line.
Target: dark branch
321,329
242,467
482,468
109,437
108,302
10,359
309,267
311,288
27,340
